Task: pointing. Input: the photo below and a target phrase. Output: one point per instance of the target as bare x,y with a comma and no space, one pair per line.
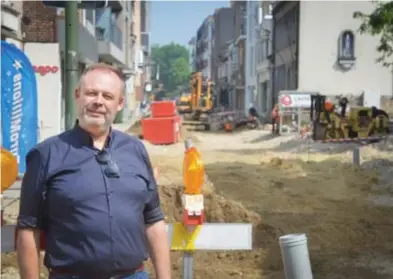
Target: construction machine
205,111
200,102
184,104
343,123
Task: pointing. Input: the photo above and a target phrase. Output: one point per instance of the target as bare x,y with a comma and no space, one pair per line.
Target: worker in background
329,106
252,111
275,120
253,116
92,190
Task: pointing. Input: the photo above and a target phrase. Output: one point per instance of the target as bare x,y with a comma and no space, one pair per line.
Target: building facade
238,55
225,93
11,22
204,48
223,33
252,37
263,59
192,54
103,35
337,60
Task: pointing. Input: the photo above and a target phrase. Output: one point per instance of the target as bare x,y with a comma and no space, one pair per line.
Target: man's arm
159,249
28,250
29,222
156,234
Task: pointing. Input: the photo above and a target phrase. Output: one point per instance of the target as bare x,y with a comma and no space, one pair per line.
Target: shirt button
111,217
108,194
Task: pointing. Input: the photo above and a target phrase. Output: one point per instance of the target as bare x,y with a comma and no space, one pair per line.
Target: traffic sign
286,100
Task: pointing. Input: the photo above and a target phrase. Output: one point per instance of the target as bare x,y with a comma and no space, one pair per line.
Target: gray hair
104,67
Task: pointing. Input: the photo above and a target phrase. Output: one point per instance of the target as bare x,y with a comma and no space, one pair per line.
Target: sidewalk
136,116
122,126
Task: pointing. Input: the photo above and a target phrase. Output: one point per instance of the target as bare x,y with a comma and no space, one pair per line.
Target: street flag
19,112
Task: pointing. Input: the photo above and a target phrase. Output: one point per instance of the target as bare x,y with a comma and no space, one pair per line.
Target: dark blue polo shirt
94,224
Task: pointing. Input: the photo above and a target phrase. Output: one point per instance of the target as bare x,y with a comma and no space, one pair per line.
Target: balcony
110,38
87,44
10,21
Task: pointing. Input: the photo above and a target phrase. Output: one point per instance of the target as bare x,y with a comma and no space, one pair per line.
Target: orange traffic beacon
193,179
9,173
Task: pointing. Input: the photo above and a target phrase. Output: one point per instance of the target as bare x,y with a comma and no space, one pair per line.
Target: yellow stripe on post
183,239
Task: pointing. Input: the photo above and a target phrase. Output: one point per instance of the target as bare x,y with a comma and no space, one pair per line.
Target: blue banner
19,112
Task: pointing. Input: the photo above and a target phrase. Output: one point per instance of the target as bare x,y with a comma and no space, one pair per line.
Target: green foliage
380,23
173,64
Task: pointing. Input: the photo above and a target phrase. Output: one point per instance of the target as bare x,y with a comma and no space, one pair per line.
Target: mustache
95,108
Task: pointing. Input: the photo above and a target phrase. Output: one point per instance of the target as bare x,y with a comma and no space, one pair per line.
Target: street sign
209,236
297,100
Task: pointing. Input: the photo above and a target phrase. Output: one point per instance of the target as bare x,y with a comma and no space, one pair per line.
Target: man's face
99,99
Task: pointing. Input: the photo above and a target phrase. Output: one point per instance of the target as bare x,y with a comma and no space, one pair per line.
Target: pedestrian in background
93,192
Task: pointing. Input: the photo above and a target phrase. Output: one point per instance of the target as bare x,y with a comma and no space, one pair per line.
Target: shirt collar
85,138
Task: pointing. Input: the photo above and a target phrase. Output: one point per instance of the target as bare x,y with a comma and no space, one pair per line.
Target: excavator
200,102
184,103
343,123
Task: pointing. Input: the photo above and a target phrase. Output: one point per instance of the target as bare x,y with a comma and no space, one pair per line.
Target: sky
178,21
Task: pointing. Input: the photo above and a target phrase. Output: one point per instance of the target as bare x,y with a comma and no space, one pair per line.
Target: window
264,89
90,15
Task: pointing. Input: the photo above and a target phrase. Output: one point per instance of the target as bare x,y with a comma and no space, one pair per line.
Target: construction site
281,185
279,159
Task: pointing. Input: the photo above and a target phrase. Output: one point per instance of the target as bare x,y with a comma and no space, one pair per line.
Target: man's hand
159,249
156,173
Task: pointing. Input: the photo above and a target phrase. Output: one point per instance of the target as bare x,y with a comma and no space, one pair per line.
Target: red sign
286,100
43,70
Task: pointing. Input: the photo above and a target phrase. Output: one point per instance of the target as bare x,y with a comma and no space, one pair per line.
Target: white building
252,35
263,54
317,48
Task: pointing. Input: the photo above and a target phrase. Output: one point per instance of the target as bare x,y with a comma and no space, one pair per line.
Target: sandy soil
285,185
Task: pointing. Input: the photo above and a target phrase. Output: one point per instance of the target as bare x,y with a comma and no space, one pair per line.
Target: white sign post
293,102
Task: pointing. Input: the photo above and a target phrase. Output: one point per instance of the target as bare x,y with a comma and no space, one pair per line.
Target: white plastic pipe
295,256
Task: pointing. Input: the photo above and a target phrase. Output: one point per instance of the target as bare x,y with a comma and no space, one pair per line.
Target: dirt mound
219,210
327,200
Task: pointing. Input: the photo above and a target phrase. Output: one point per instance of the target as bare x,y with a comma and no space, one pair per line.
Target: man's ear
77,94
122,102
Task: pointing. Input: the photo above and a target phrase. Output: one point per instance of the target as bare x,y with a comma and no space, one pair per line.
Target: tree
380,23
180,71
173,65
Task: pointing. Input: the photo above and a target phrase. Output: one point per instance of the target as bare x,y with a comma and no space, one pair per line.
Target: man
92,190
252,111
275,120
